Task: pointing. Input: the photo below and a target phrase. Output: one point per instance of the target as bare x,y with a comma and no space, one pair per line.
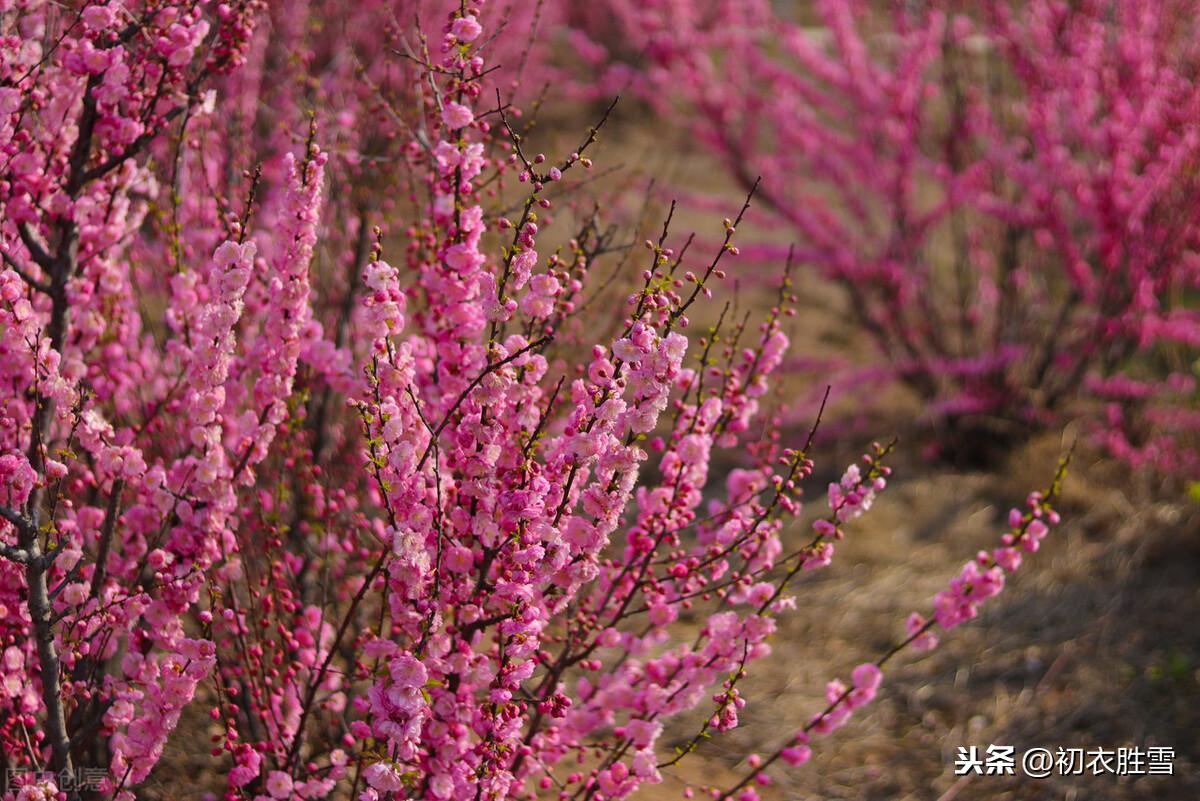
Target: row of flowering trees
402,526
1005,191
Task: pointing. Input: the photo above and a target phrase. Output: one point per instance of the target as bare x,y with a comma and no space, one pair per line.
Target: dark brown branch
106,535
37,249
16,267
25,527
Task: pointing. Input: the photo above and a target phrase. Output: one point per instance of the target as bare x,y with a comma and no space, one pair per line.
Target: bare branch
18,555
24,525
16,267
37,248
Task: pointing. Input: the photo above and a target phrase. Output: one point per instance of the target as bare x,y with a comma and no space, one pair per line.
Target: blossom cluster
324,441
1004,191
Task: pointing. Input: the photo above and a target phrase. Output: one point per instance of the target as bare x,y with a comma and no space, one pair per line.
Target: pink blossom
796,755
279,784
867,676
465,29
456,115
383,778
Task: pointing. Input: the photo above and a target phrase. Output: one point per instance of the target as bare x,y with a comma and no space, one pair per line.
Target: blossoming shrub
400,545
1005,191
